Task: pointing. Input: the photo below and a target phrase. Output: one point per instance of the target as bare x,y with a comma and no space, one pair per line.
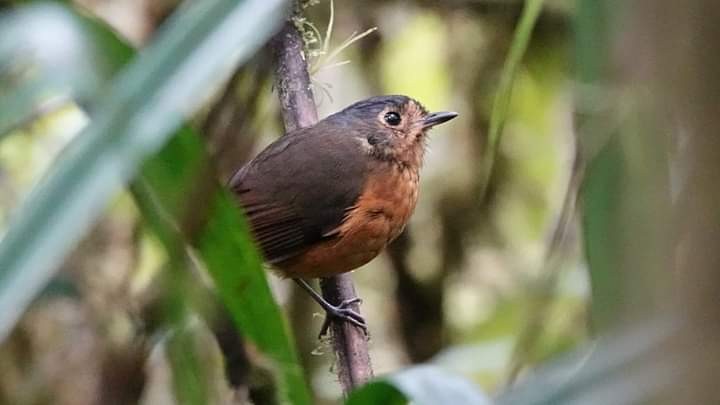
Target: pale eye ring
392,118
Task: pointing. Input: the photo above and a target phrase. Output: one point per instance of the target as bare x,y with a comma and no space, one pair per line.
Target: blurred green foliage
416,61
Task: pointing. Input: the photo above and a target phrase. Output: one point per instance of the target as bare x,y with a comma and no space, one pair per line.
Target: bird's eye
392,118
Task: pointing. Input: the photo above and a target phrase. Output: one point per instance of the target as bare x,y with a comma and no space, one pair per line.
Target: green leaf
624,368
602,199
602,190
423,385
224,243
143,106
626,194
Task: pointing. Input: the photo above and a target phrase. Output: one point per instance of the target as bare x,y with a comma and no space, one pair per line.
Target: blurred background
522,249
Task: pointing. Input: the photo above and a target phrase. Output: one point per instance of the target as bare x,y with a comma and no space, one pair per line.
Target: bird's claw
343,312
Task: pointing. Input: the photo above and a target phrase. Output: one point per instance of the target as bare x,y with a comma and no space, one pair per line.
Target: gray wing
297,192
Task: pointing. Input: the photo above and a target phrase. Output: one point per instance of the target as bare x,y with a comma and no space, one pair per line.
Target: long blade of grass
501,103
145,103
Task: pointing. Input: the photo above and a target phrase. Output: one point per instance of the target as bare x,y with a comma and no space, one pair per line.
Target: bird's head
390,127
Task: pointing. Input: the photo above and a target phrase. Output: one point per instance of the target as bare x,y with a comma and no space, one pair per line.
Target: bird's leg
340,311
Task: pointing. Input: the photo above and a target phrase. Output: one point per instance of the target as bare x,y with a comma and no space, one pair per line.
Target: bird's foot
343,312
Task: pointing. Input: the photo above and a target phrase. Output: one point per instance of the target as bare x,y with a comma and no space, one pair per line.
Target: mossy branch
299,110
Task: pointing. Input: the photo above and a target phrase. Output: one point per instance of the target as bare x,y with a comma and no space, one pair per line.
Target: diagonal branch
298,110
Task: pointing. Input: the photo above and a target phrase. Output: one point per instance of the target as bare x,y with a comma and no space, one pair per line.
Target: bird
326,199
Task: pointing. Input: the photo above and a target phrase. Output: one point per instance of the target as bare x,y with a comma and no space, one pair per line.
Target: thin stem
328,33
354,37
299,110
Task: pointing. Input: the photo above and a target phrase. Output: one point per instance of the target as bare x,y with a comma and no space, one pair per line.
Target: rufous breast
379,216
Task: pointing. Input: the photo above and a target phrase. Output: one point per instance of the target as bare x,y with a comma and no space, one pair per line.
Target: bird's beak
438,118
